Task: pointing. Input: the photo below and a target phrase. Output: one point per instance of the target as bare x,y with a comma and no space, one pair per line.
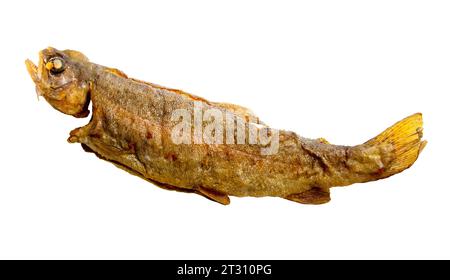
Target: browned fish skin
131,126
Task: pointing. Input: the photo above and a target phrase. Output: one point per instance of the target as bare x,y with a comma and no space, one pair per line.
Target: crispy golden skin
131,127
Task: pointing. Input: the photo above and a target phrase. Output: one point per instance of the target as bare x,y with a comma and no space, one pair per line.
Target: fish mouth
32,70
37,73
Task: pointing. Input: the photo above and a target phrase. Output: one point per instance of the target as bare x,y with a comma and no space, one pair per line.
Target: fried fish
134,123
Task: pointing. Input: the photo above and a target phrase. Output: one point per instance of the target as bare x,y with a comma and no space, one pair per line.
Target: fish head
63,79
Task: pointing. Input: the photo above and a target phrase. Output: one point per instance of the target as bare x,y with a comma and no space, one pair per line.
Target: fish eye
55,65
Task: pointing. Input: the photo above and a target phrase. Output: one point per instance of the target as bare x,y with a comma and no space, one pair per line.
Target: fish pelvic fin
405,139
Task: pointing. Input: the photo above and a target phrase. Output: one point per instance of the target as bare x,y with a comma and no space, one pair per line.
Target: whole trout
183,142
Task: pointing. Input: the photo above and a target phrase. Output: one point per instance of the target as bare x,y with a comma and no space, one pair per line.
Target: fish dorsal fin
117,72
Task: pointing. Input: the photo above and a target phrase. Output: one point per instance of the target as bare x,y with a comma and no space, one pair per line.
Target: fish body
132,125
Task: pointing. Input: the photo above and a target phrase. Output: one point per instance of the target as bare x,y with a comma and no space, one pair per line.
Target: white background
343,70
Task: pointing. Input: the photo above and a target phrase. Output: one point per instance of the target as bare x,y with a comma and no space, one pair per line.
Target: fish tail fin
406,138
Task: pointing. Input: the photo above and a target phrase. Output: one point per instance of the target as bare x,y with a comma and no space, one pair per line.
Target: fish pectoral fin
78,133
213,195
313,196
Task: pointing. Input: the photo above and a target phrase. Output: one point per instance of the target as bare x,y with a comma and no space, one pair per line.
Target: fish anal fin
313,196
213,195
